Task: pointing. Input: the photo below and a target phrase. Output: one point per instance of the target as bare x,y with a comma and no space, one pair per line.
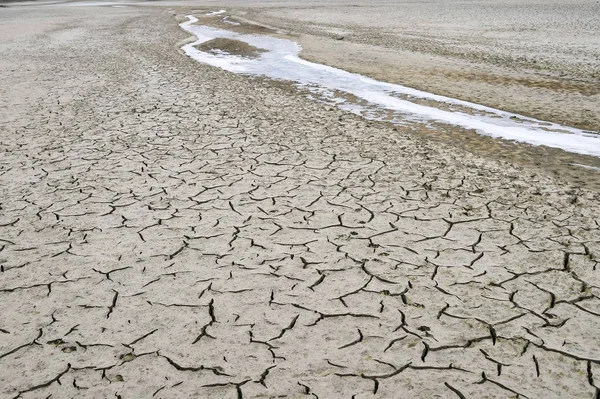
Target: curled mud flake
127,357
69,349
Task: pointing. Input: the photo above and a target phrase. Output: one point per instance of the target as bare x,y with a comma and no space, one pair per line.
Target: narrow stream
380,100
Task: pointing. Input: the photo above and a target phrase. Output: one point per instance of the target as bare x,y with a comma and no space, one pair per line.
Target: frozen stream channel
378,100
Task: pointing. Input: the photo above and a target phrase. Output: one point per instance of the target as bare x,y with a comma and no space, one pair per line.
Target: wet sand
171,230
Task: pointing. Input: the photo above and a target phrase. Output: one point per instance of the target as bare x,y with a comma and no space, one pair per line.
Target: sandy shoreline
171,230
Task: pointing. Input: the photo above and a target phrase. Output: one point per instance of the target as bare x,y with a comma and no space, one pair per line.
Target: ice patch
281,61
585,166
227,21
210,14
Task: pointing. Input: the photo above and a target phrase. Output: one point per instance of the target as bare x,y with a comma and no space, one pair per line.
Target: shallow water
380,100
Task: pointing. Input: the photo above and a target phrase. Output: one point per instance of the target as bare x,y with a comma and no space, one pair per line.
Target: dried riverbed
172,230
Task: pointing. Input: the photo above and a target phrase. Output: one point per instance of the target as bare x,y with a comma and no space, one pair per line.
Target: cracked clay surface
170,230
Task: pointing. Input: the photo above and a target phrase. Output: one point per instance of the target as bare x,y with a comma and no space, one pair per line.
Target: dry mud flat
170,230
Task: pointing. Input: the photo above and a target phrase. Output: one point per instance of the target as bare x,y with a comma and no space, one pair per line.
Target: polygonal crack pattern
175,231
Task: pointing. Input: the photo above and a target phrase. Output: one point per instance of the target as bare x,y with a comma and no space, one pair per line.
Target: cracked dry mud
169,230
